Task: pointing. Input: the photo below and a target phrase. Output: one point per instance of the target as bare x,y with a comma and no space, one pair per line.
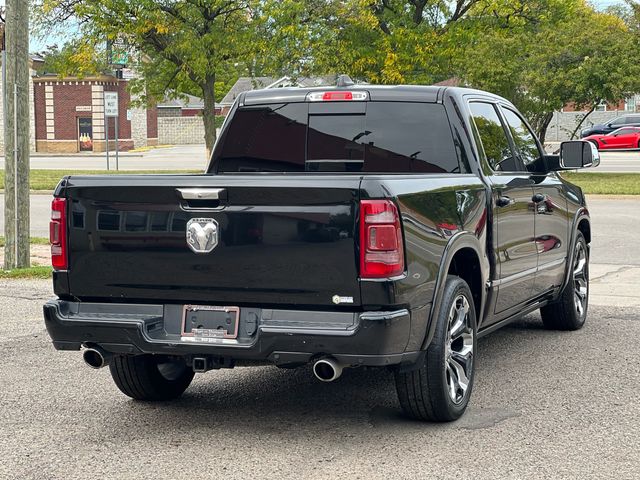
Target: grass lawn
605,183
33,272
48,179
33,241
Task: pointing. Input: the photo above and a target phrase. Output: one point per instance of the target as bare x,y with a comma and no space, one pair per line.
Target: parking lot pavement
545,405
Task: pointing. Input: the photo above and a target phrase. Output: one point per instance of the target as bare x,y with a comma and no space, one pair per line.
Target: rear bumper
281,337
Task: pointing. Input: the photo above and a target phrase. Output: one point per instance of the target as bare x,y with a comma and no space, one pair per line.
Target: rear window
395,137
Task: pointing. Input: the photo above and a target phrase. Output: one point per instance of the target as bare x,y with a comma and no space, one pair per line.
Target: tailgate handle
203,193
203,198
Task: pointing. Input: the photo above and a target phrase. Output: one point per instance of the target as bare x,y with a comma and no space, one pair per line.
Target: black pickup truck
355,226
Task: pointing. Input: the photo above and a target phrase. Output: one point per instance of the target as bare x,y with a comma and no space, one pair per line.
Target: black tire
150,377
564,314
424,393
593,142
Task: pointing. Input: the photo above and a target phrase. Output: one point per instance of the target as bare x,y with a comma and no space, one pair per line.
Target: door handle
538,197
504,201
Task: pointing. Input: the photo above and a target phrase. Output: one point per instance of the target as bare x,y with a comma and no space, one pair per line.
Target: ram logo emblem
202,234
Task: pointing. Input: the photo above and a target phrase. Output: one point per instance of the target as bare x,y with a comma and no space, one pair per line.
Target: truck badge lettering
337,299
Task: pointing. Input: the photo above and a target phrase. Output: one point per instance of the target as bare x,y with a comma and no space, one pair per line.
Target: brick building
69,116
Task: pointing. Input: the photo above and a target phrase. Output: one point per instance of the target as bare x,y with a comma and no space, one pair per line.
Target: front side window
619,121
623,131
494,138
524,140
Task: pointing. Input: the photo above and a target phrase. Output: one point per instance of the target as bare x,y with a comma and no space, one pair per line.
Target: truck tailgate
281,239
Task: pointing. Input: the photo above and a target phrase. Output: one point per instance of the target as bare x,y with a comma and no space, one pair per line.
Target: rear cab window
358,137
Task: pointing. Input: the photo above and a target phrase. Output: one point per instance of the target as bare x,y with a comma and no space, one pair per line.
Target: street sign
110,104
111,110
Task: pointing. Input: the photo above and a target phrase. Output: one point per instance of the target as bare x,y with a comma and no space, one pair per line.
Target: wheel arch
465,257
584,226
581,223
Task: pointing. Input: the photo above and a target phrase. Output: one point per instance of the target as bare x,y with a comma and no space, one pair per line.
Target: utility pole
16,136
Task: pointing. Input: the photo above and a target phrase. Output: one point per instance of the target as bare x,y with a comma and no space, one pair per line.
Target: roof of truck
408,93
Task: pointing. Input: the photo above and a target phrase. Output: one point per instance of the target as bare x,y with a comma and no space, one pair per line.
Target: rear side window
395,137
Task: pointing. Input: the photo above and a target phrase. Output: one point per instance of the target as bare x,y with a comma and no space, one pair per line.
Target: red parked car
625,137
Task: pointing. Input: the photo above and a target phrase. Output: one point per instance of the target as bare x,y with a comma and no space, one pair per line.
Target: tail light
381,247
58,234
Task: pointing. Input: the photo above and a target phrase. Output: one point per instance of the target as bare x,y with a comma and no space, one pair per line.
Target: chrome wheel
459,350
580,279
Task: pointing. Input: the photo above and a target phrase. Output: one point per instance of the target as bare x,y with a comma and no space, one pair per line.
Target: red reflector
58,234
381,247
331,96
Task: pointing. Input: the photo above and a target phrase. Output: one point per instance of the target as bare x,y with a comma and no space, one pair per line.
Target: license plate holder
209,322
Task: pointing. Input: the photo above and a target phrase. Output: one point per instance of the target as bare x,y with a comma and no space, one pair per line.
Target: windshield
398,137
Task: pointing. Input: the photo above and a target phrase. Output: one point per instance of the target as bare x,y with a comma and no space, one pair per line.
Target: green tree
75,58
540,54
576,56
194,46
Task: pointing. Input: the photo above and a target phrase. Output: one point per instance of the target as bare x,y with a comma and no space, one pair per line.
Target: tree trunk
542,124
16,136
593,108
209,113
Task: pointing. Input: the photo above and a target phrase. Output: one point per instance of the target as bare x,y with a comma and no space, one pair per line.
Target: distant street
182,157
619,162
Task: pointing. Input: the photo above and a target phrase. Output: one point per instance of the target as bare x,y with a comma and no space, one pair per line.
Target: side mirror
578,154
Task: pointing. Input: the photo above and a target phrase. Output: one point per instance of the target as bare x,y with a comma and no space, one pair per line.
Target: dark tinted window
332,137
334,143
525,141
409,137
266,138
494,138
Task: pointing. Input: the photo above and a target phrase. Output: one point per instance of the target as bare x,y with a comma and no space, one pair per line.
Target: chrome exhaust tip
96,357
327,369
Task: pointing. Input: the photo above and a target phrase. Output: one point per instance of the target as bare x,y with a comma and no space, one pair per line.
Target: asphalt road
618,162
545,404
